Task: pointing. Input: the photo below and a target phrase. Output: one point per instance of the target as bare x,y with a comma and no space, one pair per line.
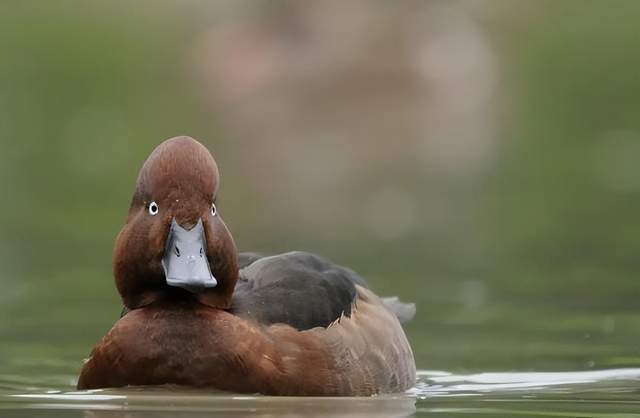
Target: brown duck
198,313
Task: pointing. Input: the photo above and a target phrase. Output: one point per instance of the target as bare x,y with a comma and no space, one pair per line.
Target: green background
548,243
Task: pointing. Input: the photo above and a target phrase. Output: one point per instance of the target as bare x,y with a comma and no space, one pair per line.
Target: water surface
602,393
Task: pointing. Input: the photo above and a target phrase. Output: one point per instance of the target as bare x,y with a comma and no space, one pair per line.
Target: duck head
174,243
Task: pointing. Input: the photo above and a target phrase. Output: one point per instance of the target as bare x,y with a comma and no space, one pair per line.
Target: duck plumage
289,324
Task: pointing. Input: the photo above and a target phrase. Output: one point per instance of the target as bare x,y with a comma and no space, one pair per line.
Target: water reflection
585,394
177,402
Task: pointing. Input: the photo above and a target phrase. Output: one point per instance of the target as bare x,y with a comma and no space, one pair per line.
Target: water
602,393
41,352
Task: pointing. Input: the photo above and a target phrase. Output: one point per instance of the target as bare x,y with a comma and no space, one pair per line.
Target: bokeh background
479,158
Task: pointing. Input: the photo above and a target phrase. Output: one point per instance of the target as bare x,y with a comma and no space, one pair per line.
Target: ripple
582,394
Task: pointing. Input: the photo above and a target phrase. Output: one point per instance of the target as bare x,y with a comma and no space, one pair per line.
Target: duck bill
185,260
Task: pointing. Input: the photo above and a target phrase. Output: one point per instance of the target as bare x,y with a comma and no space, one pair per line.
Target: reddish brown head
174,243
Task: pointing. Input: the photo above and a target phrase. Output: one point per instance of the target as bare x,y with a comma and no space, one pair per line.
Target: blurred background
479,158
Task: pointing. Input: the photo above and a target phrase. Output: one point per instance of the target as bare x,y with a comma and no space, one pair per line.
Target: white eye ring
153,208
214,211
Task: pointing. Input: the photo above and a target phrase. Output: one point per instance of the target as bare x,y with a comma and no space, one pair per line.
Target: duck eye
213,209
153,208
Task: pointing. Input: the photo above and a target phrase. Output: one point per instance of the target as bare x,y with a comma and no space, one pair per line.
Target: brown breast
364,354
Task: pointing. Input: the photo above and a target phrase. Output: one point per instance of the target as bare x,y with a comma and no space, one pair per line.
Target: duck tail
404,311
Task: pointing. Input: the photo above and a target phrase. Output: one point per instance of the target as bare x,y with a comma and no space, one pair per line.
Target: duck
198,313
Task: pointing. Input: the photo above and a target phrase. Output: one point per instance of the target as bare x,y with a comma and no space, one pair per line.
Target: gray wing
300,289
295,288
